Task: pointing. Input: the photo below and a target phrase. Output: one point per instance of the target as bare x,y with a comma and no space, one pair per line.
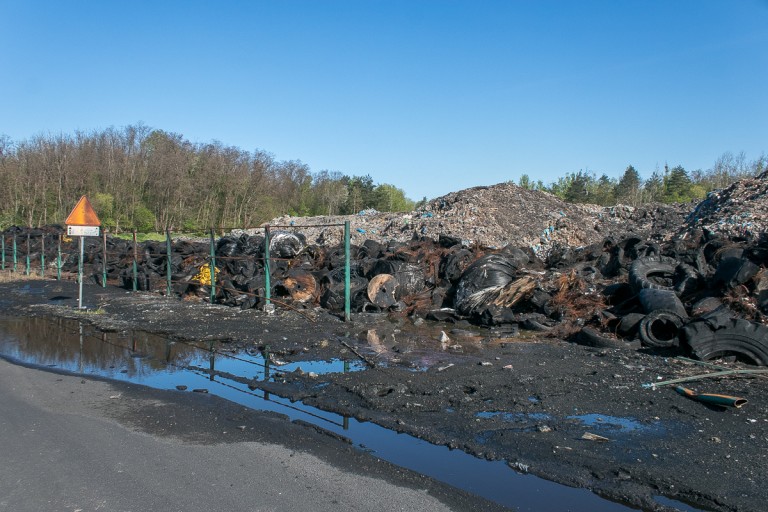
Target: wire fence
182,264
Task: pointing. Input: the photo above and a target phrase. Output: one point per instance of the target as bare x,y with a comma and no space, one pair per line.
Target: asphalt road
74,444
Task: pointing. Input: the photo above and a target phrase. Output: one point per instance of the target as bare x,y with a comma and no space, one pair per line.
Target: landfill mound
497,216
738,211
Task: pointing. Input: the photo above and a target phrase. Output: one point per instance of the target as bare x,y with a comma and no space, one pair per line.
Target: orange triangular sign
83,214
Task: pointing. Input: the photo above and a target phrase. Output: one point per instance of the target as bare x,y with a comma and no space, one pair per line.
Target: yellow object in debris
65,239
204,276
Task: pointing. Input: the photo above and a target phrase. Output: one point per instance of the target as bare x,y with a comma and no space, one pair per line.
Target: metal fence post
26,268
3,237
212,268
135,263
14,253
58,261
347,293
168,261
42,256
267,284
104,258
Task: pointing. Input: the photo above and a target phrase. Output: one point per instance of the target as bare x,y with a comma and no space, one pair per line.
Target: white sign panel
83,230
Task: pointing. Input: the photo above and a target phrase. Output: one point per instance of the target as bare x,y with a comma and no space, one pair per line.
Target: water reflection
71,345
172,364
138,356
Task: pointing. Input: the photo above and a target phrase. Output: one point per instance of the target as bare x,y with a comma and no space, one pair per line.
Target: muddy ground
526,400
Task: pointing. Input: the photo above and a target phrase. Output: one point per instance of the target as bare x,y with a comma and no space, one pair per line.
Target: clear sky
431,96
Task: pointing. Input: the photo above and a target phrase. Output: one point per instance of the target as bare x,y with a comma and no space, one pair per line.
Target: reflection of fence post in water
213,267
345,419
266,363
267,284
168,344
266,369
212,359
81,366
135,263
347,293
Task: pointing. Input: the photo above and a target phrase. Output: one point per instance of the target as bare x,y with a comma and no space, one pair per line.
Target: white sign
83,230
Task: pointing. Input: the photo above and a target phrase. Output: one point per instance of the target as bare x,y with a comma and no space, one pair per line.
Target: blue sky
431,96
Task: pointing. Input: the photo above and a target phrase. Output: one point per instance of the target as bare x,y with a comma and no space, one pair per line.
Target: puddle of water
621,424
166,364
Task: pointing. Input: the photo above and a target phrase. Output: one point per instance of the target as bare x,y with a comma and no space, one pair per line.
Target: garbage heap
648,277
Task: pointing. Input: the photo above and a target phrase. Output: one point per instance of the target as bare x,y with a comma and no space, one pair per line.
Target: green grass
156,237
143,237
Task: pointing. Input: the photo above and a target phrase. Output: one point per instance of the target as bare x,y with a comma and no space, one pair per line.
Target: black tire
687,280
732,272
629,324
740,337
591,338
656,272
652,299
660,329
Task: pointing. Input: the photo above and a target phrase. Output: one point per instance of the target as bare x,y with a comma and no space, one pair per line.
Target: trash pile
497,216
725,212
618,277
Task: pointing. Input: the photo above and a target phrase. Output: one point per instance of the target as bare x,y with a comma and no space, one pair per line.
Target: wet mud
577,415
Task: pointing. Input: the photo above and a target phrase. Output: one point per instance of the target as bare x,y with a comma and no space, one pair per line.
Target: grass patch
155,237
7,276
142,237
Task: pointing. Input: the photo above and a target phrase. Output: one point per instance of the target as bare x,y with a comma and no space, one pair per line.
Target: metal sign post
80,274
82,222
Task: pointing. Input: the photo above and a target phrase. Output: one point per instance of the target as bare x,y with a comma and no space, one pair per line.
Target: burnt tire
591,338
655,272
738,337
660,329
652,299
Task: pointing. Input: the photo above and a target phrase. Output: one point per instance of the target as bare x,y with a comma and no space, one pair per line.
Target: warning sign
83,220
83,214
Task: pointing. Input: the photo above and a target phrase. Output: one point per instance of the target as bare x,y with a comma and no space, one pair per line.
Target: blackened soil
529,401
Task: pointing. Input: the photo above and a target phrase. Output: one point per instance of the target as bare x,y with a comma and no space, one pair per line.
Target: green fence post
3,237
58,261
135,263
168,262
26,268
42,256
212,268
104,258
347,293
14,253
267,284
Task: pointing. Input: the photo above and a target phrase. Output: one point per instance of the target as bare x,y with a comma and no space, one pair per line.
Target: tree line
151,180
672,185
